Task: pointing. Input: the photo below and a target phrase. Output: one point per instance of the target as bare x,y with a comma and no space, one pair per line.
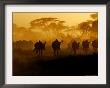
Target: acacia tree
89,25
49,24
95,22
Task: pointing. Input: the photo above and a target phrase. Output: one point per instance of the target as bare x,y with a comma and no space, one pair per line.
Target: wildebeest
56,47
75,46
85,45
39,47
95,45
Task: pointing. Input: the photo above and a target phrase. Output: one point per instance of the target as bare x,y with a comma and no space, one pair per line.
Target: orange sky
24,19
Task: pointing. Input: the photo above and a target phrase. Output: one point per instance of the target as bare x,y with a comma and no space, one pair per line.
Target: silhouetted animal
75,46
85,45
56,47
95,45
39,47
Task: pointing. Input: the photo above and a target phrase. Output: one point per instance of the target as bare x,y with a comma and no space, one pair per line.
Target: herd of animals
39,46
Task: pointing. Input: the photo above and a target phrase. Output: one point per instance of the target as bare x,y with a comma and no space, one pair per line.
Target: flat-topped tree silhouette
89,25
49,24
85,26
42,22
94,16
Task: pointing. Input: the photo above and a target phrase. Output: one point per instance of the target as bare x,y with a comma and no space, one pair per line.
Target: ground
28,64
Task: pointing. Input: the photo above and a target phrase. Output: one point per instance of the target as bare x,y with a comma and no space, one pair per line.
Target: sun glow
49,26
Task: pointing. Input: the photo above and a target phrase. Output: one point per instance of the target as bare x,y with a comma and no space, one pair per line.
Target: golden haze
65,26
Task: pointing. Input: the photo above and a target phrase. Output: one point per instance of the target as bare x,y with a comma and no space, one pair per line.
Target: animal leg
41,52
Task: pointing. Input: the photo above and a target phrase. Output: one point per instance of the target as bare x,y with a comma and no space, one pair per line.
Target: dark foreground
65,66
